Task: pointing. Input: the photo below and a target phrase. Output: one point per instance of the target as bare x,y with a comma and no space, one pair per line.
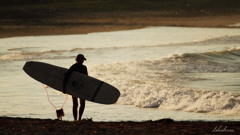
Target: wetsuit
75,67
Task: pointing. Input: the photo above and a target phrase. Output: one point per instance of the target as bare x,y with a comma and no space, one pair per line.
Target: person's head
80,58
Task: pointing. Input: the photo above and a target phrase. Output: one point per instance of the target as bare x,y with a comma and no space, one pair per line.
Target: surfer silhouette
79,67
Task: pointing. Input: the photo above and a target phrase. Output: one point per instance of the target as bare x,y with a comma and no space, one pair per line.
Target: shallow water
181,73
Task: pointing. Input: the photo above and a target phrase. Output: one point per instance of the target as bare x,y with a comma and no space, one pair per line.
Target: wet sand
104,22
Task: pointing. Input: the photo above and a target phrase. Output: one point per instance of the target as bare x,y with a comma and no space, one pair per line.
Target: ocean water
161,72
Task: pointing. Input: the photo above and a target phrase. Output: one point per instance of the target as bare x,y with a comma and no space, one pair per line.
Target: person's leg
75,107
81,110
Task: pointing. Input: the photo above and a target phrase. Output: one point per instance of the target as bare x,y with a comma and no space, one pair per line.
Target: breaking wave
149,83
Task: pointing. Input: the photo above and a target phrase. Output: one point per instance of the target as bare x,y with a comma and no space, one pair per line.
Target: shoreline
106,22
162,126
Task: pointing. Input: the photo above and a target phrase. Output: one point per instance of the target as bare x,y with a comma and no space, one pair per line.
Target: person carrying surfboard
78,67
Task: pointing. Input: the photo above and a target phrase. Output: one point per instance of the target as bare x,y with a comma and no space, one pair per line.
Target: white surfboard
78,85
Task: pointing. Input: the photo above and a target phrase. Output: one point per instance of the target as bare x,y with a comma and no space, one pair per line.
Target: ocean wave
27,53
23,56
218,40
185,99
223,40
19,54
223,57
150,84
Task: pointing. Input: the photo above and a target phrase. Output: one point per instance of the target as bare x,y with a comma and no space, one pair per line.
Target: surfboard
78,85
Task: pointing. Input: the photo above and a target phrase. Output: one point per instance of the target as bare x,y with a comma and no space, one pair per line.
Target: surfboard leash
60,112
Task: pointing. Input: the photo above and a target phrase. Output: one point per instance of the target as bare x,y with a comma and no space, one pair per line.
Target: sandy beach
163,126
104,22
82,23
27,18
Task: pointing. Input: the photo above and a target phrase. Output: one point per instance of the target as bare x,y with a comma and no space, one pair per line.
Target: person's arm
69,72
86,71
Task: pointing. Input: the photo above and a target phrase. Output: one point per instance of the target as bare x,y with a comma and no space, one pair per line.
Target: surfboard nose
27,64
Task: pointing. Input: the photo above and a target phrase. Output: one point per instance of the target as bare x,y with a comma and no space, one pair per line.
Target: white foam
148,84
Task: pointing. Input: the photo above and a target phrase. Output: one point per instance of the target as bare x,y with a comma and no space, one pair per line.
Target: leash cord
50,100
